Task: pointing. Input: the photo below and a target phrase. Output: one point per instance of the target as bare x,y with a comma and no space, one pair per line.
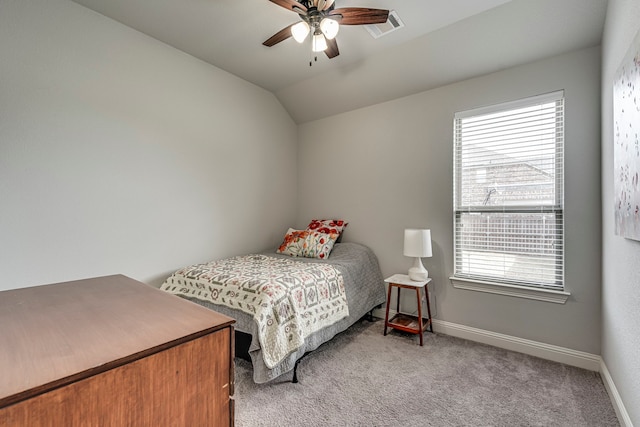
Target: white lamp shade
299,31
319,43
330,28
417,243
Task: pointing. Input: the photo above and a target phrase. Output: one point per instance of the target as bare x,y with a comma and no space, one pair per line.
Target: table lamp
417,243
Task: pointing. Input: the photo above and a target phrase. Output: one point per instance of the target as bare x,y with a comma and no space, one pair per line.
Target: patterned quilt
288,299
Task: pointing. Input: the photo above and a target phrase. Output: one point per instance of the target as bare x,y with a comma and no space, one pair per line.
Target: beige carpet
362,378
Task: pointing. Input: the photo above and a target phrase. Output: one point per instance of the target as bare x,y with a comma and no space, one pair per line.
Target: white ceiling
443,41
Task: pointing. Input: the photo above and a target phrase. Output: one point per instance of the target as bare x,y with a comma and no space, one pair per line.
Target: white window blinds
508,193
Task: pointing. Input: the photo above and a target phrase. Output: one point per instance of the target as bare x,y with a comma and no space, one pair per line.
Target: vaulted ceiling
442,41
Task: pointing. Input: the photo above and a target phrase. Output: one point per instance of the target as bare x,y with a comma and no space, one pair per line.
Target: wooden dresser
111,351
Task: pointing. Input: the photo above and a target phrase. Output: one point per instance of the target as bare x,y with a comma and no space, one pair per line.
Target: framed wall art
626,153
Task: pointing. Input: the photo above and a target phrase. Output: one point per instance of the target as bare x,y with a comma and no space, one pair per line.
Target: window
508,193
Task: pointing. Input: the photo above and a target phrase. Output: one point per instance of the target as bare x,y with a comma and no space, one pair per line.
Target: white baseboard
580,359
618,405
534,348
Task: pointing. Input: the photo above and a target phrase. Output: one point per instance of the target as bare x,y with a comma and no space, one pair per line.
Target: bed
307,299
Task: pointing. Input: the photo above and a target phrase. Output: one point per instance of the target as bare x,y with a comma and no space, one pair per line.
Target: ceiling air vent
392,24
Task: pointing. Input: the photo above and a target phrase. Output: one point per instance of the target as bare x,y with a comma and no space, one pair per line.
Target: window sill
547,295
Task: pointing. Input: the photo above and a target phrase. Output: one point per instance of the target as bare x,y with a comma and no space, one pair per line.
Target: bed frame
243,342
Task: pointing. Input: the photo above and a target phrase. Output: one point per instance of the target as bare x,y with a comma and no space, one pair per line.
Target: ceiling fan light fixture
319,42
330,28
321,21
299,31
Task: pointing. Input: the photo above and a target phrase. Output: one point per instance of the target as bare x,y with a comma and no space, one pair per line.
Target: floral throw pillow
308,244
328,226
318,245
293,242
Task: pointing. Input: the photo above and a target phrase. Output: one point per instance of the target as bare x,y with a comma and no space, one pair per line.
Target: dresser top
55,334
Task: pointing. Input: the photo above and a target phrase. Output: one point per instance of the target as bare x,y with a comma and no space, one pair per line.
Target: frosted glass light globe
299,31
330,28
319,43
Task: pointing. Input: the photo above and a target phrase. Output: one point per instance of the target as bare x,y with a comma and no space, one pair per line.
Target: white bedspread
288,299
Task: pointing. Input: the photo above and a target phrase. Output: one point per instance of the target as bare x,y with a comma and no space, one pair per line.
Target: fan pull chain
311,54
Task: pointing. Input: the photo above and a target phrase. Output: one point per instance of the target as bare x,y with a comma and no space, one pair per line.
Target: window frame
511,287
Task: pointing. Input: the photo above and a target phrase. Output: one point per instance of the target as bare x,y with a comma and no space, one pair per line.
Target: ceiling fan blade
281,35
320,4
359,15
327,5
299,11
290,4
332,49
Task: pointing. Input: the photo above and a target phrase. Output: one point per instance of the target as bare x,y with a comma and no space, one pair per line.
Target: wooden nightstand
406,322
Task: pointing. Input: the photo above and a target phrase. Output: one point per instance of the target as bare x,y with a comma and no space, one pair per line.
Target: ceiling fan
322,20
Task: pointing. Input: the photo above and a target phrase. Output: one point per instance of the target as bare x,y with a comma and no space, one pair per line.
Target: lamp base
418,273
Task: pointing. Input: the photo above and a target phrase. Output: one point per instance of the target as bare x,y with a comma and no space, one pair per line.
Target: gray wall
389,167
621,257
120,154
